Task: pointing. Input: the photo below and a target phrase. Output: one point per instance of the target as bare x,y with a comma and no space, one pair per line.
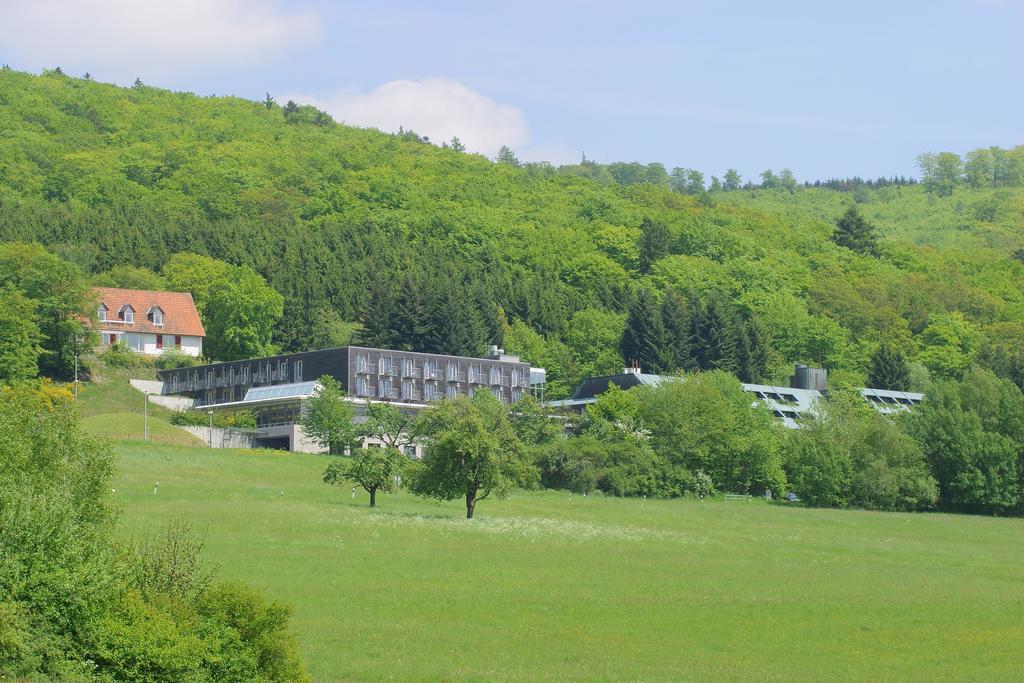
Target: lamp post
210,413
79,340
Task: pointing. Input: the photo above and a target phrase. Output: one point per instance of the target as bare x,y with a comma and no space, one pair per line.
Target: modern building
149,322
790,404
274,388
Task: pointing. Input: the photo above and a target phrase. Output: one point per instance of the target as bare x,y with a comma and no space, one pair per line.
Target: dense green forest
413,245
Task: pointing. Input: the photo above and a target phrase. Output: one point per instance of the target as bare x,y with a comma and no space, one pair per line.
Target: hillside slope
107,175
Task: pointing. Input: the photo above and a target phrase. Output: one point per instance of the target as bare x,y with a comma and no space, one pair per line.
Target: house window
159,341
102,313
113,339
156,316
298,371
127,314
177,341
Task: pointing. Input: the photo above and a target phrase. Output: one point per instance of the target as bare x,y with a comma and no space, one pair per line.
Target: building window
127,314
159,342
155,315
451,391
102,313
298,371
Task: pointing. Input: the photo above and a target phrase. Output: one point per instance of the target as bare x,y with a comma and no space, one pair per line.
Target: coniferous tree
644,339
718,351
758,349
268,102
456,144
655,240
855,233
507,156
675,316
889,369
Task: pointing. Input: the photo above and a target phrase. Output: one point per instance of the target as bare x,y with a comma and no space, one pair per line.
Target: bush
120,356
228,419
171,359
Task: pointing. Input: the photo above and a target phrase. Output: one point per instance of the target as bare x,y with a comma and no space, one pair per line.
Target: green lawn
551,587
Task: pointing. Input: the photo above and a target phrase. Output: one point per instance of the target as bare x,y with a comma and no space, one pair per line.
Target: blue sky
826,89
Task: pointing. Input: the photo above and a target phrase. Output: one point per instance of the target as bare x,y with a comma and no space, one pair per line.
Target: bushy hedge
234,419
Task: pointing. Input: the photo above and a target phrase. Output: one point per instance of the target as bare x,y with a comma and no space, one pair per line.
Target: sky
824,89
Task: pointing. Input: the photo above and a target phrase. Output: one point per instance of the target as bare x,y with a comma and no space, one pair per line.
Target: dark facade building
364,373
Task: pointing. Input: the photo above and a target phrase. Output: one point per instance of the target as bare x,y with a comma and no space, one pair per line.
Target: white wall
145,342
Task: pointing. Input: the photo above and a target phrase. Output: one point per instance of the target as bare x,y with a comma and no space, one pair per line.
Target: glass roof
295,390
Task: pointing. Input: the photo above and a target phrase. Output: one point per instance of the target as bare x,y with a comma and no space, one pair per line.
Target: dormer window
127,314
101,313
155,315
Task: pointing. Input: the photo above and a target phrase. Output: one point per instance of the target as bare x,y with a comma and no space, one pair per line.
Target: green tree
130,277
644,340
196,274
62,298
715,347
389,425
655,243
787,181
328,419
240,315
950,343
732,180
507,156
855,233
889,369
20,338
971,433
456,144
472,452
675,315
940,173
375,469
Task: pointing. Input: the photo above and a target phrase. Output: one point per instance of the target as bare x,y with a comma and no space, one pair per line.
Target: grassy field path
548,586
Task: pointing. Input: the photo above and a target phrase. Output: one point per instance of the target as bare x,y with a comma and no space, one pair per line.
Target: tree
456,144
655,242
732,180
715,346
375,469
753,350
855,233
328,418
644,340
940,173
675,316
472,451
769,181
389,425
20,338
196,274
130,277
63,301
852,456
971,433
269,102
889,369
787,181
240,315
507,156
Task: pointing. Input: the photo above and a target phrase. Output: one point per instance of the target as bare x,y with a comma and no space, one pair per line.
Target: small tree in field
389,425
472,451
327,419
374,469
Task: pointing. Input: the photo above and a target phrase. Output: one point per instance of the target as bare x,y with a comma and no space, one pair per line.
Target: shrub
120,356
172,359
230,419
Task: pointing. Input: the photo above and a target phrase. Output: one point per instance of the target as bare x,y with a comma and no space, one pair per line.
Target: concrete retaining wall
223,437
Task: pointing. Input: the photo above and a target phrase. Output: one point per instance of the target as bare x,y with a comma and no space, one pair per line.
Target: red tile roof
180,315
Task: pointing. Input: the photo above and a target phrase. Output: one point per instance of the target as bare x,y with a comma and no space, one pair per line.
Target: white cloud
123,38
435,107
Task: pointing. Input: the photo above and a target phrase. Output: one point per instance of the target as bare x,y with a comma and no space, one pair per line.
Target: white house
149,322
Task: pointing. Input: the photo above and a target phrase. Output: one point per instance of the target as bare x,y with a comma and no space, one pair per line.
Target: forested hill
429,246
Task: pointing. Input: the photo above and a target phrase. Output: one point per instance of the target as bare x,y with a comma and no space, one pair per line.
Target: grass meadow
547,586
